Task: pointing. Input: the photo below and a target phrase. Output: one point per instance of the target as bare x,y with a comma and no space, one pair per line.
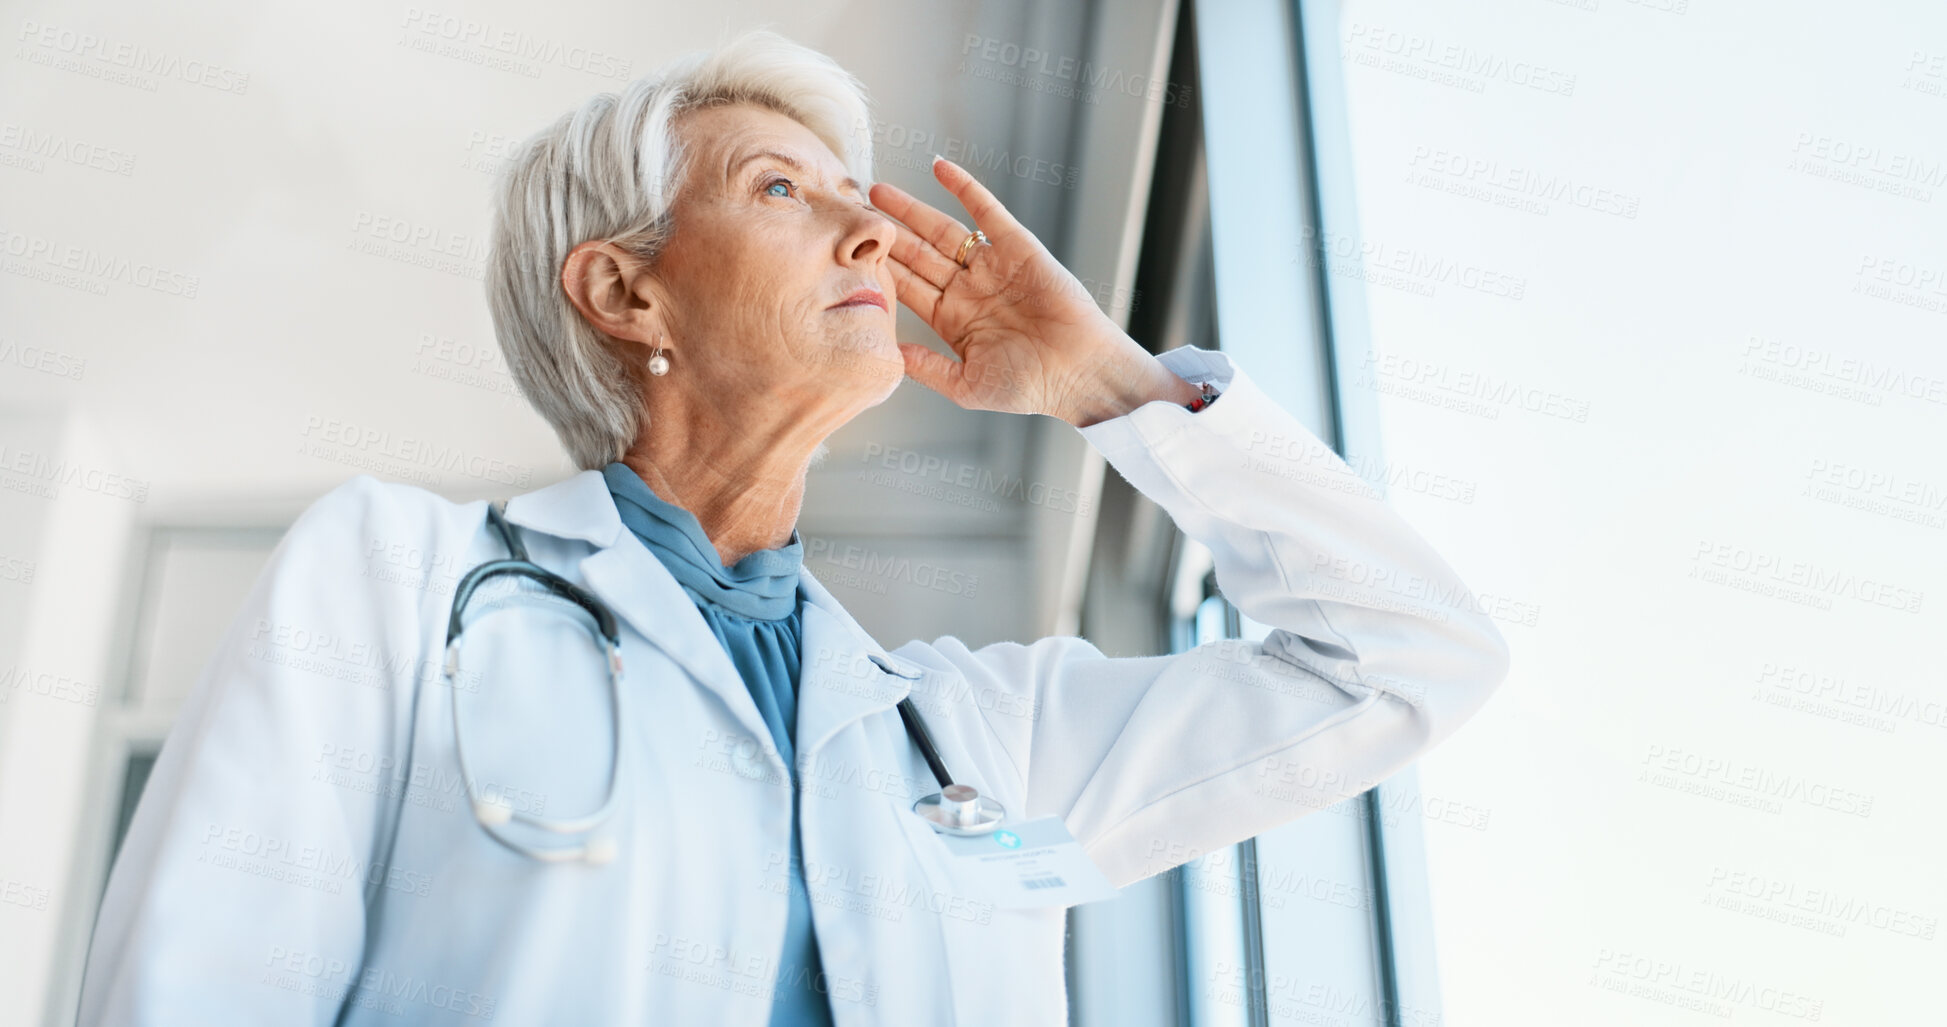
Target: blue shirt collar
762,585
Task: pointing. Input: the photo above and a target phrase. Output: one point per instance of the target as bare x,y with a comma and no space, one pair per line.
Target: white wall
53,678
1655,294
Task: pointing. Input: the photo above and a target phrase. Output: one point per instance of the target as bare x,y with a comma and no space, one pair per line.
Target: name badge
1027,865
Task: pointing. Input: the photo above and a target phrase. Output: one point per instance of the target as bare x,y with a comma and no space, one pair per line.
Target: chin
877,361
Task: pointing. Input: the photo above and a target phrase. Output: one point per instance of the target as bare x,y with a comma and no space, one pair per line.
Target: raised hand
1029,337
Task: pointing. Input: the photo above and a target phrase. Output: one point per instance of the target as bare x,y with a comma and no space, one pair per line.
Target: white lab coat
253,888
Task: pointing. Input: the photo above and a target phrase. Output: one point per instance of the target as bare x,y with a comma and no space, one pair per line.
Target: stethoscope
954,809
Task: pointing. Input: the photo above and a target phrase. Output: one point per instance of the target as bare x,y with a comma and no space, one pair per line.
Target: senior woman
693,282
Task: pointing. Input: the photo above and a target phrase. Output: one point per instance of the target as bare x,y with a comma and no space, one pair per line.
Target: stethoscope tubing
924,739
492,813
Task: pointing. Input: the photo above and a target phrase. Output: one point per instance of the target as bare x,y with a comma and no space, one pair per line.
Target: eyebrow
788,161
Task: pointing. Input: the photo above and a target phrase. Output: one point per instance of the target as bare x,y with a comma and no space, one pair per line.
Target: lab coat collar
844,673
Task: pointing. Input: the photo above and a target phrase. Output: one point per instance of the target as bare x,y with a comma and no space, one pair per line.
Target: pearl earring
658,364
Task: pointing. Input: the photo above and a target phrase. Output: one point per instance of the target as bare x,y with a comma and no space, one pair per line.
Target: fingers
940,232
921,258
946,234
936,372
988,214
915,291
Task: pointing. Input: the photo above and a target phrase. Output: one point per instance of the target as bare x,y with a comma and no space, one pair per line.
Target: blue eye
777,182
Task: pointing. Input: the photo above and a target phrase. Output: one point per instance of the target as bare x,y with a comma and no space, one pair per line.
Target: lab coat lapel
623,573
844,674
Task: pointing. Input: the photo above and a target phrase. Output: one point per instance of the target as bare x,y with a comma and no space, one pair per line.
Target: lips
865,298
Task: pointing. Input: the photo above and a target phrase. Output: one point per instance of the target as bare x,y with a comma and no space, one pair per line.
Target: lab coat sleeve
1377,650
238,894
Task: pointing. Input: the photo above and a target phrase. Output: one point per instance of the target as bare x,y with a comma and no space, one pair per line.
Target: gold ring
977,236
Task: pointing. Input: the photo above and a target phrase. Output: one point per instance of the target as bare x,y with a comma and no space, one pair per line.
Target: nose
868,237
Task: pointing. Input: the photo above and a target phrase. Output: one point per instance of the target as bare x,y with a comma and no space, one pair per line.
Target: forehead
727,139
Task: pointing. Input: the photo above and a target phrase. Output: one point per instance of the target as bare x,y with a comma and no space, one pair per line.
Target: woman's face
755,278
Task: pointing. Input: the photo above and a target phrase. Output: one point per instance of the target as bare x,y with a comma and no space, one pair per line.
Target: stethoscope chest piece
960,809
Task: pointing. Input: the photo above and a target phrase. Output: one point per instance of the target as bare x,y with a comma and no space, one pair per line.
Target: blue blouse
755,609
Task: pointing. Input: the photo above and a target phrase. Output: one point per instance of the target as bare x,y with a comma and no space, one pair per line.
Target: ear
607,285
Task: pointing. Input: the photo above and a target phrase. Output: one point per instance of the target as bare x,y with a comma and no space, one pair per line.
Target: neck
740,472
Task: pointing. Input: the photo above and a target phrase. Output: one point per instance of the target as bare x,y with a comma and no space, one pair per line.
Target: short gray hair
609,170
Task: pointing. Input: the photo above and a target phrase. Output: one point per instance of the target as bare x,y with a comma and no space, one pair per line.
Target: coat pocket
984,943
929,855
